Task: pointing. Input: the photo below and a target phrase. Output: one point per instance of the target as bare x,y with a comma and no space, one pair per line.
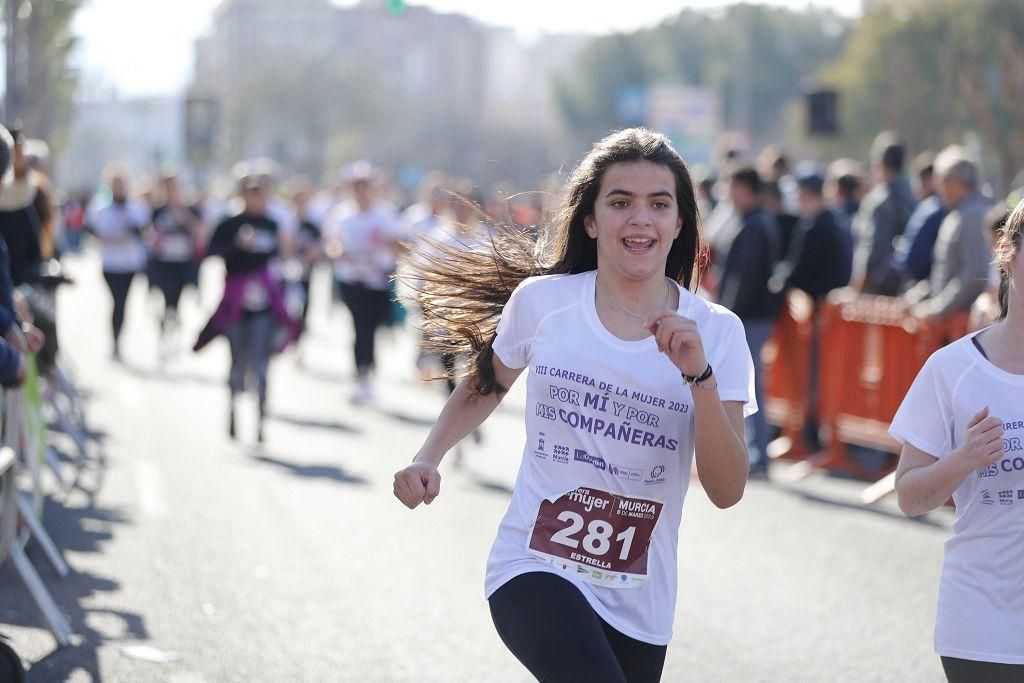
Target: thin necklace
668,296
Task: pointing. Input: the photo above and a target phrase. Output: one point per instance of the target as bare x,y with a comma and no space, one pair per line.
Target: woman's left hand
679,339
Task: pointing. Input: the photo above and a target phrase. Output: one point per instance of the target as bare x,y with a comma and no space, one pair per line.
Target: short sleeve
729,356
395,227
140,213
330,226
513,343
925,417
97,220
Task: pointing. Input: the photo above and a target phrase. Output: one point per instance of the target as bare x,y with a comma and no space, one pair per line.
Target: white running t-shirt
117,226
609,426
981,594
367,238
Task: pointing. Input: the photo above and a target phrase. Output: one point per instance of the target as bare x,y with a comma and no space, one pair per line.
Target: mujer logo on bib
597,536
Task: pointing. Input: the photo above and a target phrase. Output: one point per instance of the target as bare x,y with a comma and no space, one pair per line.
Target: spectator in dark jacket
914,254
819,257
12,365
20,224
882,218
772,201
743,288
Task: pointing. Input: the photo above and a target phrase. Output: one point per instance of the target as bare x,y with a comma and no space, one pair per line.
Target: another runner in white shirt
621,398
118,226
962,429
363,238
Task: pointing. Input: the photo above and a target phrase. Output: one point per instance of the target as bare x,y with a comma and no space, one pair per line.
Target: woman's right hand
984,443
417,483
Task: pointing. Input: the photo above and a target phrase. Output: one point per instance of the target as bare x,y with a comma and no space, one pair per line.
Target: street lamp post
12,105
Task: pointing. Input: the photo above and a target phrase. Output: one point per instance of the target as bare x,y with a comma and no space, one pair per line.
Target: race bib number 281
600,537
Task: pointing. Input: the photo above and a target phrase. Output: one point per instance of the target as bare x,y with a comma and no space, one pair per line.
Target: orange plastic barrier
871,351
787,374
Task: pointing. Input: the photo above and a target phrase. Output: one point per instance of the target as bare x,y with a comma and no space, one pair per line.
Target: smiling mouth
638,244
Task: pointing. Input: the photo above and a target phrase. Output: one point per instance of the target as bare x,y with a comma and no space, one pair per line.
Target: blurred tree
41,84
757,57
292,108
936,72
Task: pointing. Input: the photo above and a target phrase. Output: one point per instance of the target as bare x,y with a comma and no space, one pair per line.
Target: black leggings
119,284
551,628
171,277
370,309
970,671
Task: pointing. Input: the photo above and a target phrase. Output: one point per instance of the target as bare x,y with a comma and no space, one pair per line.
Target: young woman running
632,376
962,429
252,312
175,231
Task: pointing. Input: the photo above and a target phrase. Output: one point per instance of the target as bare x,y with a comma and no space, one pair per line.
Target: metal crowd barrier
24,457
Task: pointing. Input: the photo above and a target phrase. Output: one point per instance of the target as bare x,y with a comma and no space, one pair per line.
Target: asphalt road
293,562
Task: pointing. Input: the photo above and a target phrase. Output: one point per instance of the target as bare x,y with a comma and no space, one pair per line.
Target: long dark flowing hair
462,292
1007,248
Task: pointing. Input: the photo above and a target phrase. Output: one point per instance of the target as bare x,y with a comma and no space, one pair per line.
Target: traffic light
396,7
822,112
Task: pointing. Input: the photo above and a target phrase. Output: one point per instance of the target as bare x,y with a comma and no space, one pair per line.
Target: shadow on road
332,472
325,376
299,421
873,509
408,419
173,377
96,435
83,529
491,485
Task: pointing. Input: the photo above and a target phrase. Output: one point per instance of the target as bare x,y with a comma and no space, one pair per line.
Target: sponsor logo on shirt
540,452
657,476
1006,497
986,498
627,473
560,454
582,456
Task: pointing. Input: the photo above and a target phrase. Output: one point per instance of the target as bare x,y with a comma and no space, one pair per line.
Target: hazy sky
145,46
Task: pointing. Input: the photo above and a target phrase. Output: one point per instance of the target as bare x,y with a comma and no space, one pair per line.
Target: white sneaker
363,394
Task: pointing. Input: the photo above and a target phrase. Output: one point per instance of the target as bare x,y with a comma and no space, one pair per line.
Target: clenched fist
418,483
679,339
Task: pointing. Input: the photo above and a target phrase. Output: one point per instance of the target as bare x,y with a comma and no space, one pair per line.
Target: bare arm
924,482
464,411
720,450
